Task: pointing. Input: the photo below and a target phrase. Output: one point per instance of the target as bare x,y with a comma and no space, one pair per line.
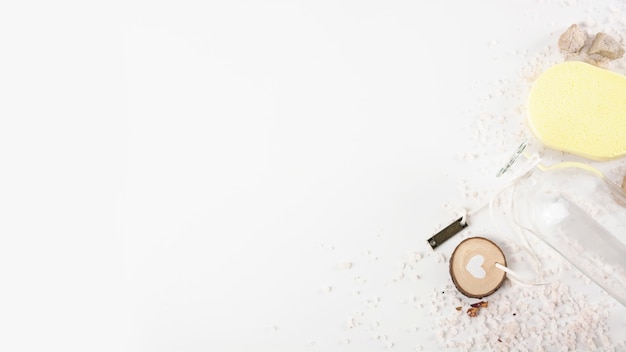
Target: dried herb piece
459,308
472,312
481,304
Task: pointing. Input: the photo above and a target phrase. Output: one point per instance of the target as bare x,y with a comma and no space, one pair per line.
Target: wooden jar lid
473,267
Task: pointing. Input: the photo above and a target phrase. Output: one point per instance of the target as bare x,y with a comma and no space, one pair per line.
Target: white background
193,176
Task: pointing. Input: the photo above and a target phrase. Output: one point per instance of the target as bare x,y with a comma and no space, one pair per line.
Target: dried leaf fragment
459,308
572,40
473,311
606,46
481,304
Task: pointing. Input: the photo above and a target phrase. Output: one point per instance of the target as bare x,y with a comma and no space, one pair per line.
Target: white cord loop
533,161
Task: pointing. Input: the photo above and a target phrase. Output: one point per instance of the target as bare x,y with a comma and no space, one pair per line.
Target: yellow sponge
579,108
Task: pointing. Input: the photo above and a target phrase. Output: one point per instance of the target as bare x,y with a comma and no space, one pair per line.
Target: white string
518,279
534,160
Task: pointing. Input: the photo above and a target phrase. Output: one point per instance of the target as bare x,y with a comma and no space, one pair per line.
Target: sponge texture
579,108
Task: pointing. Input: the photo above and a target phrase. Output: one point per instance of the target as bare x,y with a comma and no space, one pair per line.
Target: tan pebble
572,40
606,46
597,60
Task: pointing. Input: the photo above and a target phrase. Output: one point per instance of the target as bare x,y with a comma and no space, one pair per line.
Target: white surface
193,176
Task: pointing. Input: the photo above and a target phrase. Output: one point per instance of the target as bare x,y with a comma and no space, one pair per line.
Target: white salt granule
347,265
399,276
351,323
358,279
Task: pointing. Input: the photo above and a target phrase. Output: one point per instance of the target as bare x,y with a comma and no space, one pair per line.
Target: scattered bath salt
359,280
576,330
347,265
327,247
398,277
589,22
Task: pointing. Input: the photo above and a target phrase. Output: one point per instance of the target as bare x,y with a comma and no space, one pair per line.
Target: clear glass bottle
576,210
